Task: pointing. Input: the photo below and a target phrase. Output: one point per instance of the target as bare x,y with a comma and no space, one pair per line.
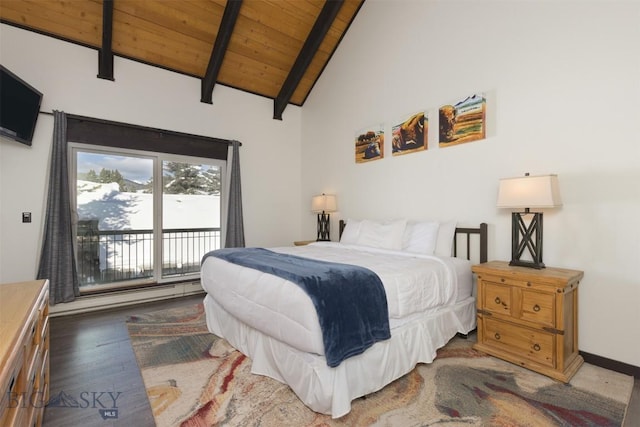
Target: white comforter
279,308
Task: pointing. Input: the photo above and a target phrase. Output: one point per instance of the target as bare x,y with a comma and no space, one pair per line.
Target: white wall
146,96
564,78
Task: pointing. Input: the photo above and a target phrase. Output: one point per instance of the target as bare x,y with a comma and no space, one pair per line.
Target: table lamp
322,205
528,192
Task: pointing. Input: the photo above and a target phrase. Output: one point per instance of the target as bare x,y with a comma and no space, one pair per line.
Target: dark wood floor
92,362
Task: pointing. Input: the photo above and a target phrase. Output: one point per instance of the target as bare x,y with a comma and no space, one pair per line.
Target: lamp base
530,264
323,228
527,236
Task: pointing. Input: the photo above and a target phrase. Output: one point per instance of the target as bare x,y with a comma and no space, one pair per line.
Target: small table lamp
528,192
322,205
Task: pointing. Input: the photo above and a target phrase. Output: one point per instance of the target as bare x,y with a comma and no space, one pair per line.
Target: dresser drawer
535,345
32,337
497,298
505,280
14,416
32,372
11,388
538,307
43,318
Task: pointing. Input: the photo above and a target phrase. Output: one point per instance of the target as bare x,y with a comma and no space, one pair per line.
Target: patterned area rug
194,378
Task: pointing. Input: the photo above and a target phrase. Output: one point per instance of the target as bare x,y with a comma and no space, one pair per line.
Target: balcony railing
107,256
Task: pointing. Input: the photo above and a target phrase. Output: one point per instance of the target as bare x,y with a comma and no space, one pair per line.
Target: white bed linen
331,390
279,308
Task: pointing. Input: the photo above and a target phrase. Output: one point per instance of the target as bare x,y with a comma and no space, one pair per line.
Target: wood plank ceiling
273,48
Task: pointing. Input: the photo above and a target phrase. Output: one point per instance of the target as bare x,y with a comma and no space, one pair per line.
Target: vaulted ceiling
273,48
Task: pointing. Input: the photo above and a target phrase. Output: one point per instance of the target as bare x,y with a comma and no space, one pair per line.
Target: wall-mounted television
19,107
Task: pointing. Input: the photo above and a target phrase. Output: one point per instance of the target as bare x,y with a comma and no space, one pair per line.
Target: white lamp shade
540,191
324,203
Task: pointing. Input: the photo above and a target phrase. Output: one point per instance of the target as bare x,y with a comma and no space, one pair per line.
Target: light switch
26,216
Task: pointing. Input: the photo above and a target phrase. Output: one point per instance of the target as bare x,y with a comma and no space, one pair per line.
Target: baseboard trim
86,304
614,365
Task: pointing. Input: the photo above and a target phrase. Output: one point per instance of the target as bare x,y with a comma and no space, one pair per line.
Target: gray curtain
235,227
57,260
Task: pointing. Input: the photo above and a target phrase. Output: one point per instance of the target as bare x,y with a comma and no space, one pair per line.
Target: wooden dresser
24,352
529,317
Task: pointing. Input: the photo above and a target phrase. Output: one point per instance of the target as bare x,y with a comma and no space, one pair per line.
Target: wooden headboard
466,235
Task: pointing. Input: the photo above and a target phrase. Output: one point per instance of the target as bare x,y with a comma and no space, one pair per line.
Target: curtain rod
93,119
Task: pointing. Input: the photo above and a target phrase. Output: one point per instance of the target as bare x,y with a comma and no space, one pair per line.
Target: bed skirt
330,390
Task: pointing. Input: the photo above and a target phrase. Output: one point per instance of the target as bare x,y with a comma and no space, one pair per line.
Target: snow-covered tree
186,178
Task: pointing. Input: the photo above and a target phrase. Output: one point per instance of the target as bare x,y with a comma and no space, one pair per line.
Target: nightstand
303,242
529,317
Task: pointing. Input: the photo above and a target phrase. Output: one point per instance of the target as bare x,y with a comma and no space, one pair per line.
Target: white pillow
444,244
421,237
351,232
383,235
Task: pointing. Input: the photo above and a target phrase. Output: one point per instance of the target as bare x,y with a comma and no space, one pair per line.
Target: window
142,217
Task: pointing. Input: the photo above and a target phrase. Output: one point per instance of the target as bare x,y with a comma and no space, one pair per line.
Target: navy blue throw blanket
350,300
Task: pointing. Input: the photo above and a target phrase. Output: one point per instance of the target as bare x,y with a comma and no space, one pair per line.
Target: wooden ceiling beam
312,43
229,18
105,53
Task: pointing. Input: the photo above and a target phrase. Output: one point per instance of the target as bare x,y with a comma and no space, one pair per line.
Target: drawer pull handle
536,308
536,347
497,335
497,300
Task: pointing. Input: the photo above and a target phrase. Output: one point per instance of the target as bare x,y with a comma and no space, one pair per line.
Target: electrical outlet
26,216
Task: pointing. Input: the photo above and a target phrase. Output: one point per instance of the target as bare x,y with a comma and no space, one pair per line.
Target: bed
424,268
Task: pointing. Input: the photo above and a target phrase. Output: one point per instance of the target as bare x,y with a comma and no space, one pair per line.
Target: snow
117,210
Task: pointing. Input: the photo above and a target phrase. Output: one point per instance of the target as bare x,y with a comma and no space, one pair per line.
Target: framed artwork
410,135
369,144
464,121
